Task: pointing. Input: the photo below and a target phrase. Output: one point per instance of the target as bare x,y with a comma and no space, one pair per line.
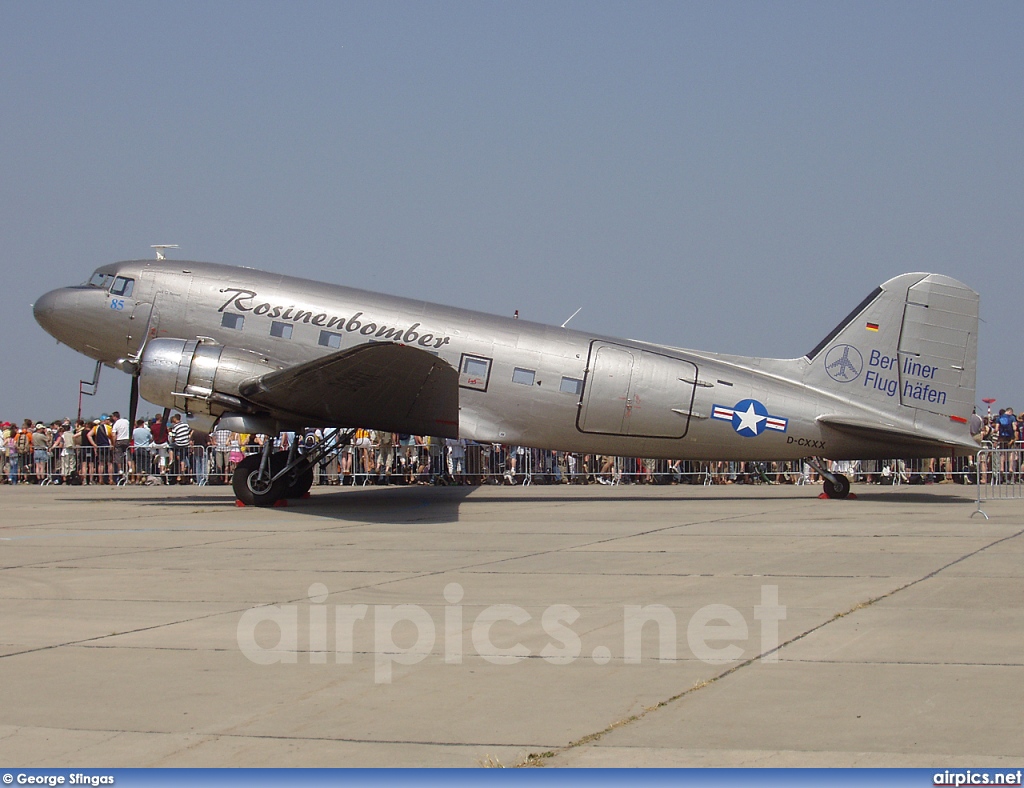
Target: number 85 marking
117,304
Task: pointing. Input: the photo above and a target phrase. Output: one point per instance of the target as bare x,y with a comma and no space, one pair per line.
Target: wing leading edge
378,386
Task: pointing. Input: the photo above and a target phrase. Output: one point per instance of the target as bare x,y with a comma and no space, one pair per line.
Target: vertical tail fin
912,343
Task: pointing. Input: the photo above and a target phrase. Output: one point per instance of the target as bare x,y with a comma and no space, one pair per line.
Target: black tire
839,489
248,488
299,482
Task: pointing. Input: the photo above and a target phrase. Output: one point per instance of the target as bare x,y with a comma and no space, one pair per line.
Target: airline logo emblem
749,418
843,363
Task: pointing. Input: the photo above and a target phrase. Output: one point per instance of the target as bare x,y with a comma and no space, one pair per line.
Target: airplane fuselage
520,382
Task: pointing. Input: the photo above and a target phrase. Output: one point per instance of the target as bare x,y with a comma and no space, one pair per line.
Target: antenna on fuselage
160,249
571,317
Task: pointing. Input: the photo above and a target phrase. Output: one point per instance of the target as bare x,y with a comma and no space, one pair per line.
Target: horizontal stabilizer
890,434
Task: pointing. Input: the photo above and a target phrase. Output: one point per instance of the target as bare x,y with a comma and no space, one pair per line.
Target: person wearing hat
41,441
68,455
99,439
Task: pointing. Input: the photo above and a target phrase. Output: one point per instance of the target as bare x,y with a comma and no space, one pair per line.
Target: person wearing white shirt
121,436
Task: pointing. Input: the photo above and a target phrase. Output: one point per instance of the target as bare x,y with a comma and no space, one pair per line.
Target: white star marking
749,420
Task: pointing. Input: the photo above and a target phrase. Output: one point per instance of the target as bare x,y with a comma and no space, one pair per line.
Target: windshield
122,286
99,280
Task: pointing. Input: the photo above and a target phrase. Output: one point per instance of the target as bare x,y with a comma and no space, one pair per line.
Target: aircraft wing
378,386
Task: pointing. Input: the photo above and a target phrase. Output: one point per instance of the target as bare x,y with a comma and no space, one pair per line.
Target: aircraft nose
47,308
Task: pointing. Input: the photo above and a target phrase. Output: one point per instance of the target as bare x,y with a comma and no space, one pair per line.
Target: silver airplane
262,352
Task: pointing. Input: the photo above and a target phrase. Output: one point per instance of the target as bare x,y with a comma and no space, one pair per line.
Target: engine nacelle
198,375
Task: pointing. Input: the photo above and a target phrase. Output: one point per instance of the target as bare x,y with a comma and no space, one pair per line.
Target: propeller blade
133,403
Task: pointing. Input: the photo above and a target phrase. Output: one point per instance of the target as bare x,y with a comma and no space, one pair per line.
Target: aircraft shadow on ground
427,505
967,496
365,504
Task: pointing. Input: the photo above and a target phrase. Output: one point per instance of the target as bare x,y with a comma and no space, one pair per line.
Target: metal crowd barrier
998,475
476,464
113,466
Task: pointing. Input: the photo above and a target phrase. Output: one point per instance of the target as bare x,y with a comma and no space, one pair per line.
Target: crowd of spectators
109,450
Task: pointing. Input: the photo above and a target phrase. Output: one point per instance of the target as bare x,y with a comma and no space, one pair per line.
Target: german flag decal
872,326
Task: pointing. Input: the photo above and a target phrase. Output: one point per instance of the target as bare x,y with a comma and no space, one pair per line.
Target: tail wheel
840,488
253,488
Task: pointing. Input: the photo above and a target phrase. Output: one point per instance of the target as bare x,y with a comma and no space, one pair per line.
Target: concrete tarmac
163,626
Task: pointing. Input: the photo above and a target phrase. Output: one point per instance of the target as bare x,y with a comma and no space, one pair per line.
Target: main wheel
251,488
839,489
298,482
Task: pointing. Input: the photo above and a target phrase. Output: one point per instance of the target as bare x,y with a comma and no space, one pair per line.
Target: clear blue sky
729,176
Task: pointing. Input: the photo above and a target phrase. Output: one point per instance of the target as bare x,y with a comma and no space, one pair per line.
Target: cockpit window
99,280
122,286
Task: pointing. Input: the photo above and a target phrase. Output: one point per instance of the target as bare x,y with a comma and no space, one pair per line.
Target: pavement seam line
538,759
114,732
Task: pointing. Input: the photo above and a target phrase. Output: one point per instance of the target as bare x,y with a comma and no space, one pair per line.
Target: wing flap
378,386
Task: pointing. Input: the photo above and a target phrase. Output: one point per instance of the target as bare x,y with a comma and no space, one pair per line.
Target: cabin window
330,339
571,386
232,321
524,376
474,372
281,330
122,286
